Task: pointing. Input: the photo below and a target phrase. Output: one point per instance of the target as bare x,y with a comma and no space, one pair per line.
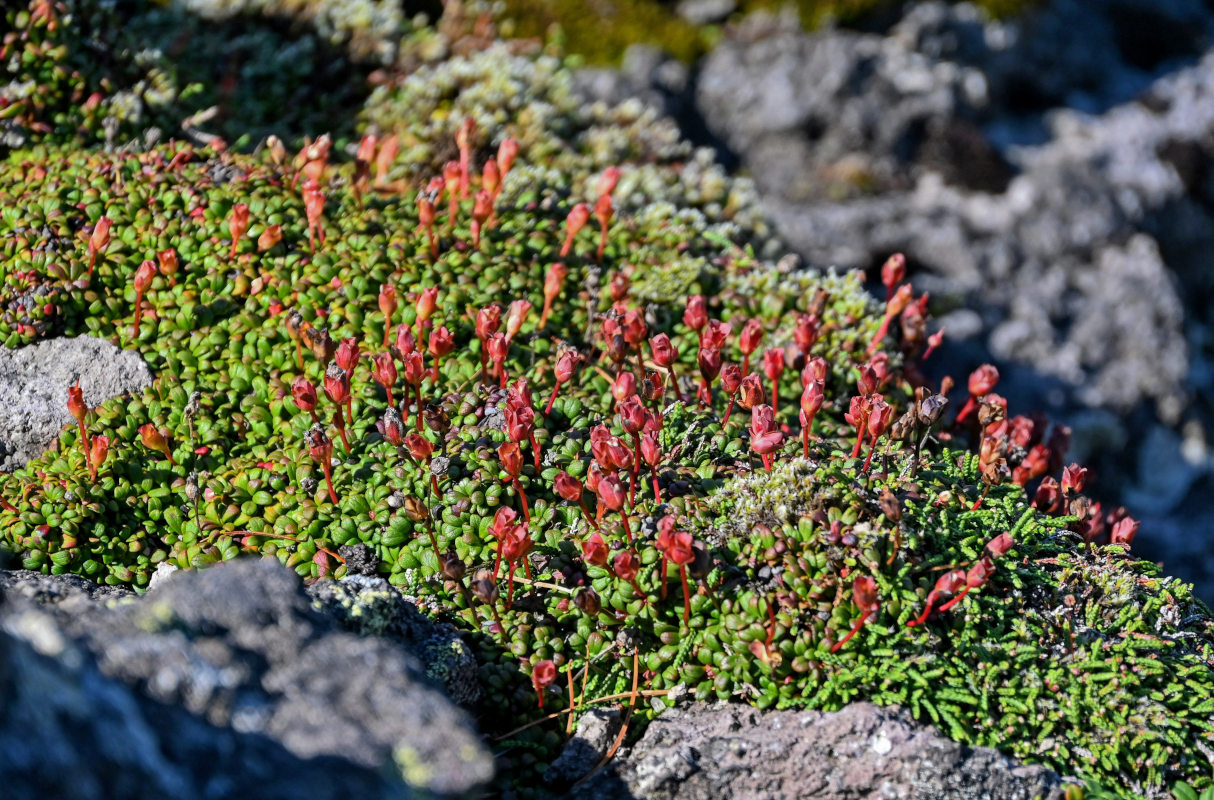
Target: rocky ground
1050,180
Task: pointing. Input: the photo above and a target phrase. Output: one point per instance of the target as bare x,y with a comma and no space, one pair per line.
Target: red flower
511,456
543,675
337,384
664,354
715,334
507,151
304,394
805,334
568,487
347,354
516,317
752,334
695,314
594,550
238,224
750,392
577,219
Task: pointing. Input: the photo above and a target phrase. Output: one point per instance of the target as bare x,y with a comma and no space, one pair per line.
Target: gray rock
370,606
596,730
33,389
863,751
221,683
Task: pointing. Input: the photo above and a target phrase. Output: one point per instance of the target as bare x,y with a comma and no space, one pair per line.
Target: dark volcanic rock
863,752
221,683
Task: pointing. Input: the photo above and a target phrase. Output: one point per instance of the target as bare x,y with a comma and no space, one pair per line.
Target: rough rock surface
862,752
370,606
220,683
33,389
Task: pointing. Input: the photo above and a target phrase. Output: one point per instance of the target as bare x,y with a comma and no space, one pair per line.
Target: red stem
419,408
678,390
960,596
686,596
535,449
855,453
586,514
518,487
552,399
138,312
854,631
84,440
627,530
657,495
664,561
328,468
729,409
884,329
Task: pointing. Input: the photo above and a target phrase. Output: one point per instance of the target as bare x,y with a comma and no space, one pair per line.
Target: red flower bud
98,451
143,276
405,343
624,386
627,566
751,392
695,315
99,240
1124,531
419,446
632,413
515,318
635,328
168,263
75,403
511,456
805,334
612,492
441,342
577,219
543,675
426,302
238,224
269,237
507,151
716,334
347,354
383,369
1073,478
488,320
752,334
568,487
709,359
566,363
594,550
982,380
154,439
491,177
812,398
608,181
664,353
304,394
773,363
893,271
651,451
337,384
731,378
999,545
387,300
414,369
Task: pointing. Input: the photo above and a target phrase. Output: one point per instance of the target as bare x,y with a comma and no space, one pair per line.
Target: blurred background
1047,166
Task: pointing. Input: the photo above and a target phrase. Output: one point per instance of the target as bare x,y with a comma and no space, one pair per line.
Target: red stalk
552,399
328,468
855,629
686,596
518,487
535,448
